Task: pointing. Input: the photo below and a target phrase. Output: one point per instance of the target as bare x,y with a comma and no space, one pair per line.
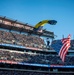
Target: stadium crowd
21,39
26,57
9,37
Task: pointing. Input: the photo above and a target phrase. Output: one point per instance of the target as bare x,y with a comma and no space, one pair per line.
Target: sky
34,11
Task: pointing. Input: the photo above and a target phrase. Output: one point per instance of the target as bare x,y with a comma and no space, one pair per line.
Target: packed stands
33,56
28,57
21,39
72,45
22,27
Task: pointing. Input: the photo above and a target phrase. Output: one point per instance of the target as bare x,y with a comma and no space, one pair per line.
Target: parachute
40,25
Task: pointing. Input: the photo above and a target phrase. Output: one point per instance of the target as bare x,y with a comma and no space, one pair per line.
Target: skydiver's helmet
52,22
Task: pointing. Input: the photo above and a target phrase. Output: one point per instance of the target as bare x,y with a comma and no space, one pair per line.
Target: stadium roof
10,24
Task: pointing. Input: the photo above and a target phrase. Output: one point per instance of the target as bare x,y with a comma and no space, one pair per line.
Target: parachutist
39,25
52,22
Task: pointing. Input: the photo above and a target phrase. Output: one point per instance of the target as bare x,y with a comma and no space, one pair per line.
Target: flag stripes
65,47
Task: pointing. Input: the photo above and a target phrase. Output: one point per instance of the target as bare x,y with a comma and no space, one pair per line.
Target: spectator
48,42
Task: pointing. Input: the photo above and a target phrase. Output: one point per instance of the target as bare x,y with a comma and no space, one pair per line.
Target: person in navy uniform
48,42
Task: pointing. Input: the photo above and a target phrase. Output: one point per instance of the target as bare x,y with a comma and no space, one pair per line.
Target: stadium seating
21,39
26,57
29,41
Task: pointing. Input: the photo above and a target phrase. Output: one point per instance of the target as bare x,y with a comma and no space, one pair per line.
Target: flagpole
63,36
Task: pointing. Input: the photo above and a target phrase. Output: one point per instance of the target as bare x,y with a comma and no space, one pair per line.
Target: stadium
24,52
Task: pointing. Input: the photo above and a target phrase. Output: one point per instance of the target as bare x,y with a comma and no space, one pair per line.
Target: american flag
61,46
